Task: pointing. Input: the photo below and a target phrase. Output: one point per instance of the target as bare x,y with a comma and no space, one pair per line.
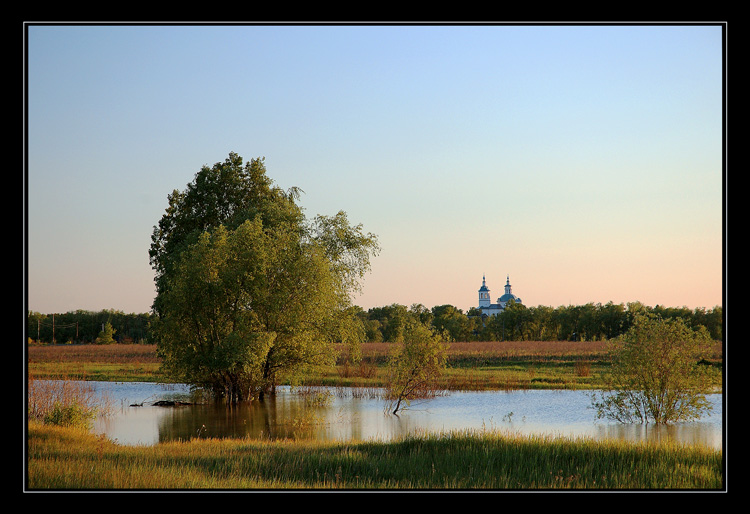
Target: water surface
345,417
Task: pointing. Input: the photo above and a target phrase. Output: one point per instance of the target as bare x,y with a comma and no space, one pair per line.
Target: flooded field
347,415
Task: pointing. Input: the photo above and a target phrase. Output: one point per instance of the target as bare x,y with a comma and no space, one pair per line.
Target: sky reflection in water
554,412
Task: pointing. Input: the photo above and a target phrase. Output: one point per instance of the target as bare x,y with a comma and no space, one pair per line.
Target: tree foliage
82,326
588,322
248,292
415,365
657,373
226,194
106,336
450,320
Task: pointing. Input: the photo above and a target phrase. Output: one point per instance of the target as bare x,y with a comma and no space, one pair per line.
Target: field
471,365
495,365
116,362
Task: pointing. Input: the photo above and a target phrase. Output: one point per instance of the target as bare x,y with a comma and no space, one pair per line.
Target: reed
64,402
64,459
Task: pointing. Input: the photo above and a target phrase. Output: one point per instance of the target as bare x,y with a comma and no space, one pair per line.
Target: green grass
65,459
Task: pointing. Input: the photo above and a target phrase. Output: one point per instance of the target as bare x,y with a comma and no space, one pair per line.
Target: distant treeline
83,326
589,322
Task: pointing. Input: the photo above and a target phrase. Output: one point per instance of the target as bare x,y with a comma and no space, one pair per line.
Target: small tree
656,374
106,336
415,366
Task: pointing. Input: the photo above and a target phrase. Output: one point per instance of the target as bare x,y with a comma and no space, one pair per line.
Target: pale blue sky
583,161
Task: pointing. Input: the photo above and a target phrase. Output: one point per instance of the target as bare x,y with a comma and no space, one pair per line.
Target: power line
58,325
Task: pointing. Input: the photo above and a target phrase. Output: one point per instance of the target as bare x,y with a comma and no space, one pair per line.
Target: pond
350,416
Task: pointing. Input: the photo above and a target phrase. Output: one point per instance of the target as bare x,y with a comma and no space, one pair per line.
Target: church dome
508,296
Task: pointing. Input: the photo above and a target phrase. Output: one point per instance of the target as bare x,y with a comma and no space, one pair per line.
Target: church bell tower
484,294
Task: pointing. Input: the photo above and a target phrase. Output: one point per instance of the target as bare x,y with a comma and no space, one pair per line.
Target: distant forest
589,322
83,327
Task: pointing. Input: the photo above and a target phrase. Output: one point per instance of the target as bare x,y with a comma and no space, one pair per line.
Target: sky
584,163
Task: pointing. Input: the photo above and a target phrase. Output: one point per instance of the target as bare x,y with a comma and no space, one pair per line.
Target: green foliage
245,306
106,335
589,322
392,320
82,326
347,248
656,374
249,293
70,415
227,194
415,366
449,319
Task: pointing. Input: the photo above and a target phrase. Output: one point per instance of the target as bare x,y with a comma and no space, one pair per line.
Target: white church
492,309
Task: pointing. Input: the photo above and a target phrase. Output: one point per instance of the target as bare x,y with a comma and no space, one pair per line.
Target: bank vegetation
69,459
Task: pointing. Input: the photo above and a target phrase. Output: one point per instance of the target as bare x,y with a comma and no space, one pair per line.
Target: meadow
471,365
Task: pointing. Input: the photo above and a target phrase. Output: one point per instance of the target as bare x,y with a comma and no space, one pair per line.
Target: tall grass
63,459
63,402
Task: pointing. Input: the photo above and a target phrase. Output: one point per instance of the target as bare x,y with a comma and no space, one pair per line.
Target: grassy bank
66,458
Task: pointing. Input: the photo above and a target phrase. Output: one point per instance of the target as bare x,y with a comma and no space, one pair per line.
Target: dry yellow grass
113,353
129,353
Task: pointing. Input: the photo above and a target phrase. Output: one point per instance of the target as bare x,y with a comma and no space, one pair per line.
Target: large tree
248,291
228,193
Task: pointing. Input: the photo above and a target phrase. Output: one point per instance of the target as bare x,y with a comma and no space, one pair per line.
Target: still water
348,417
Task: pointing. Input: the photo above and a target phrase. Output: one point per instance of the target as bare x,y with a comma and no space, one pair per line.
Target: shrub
73,415
656,374
415,366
